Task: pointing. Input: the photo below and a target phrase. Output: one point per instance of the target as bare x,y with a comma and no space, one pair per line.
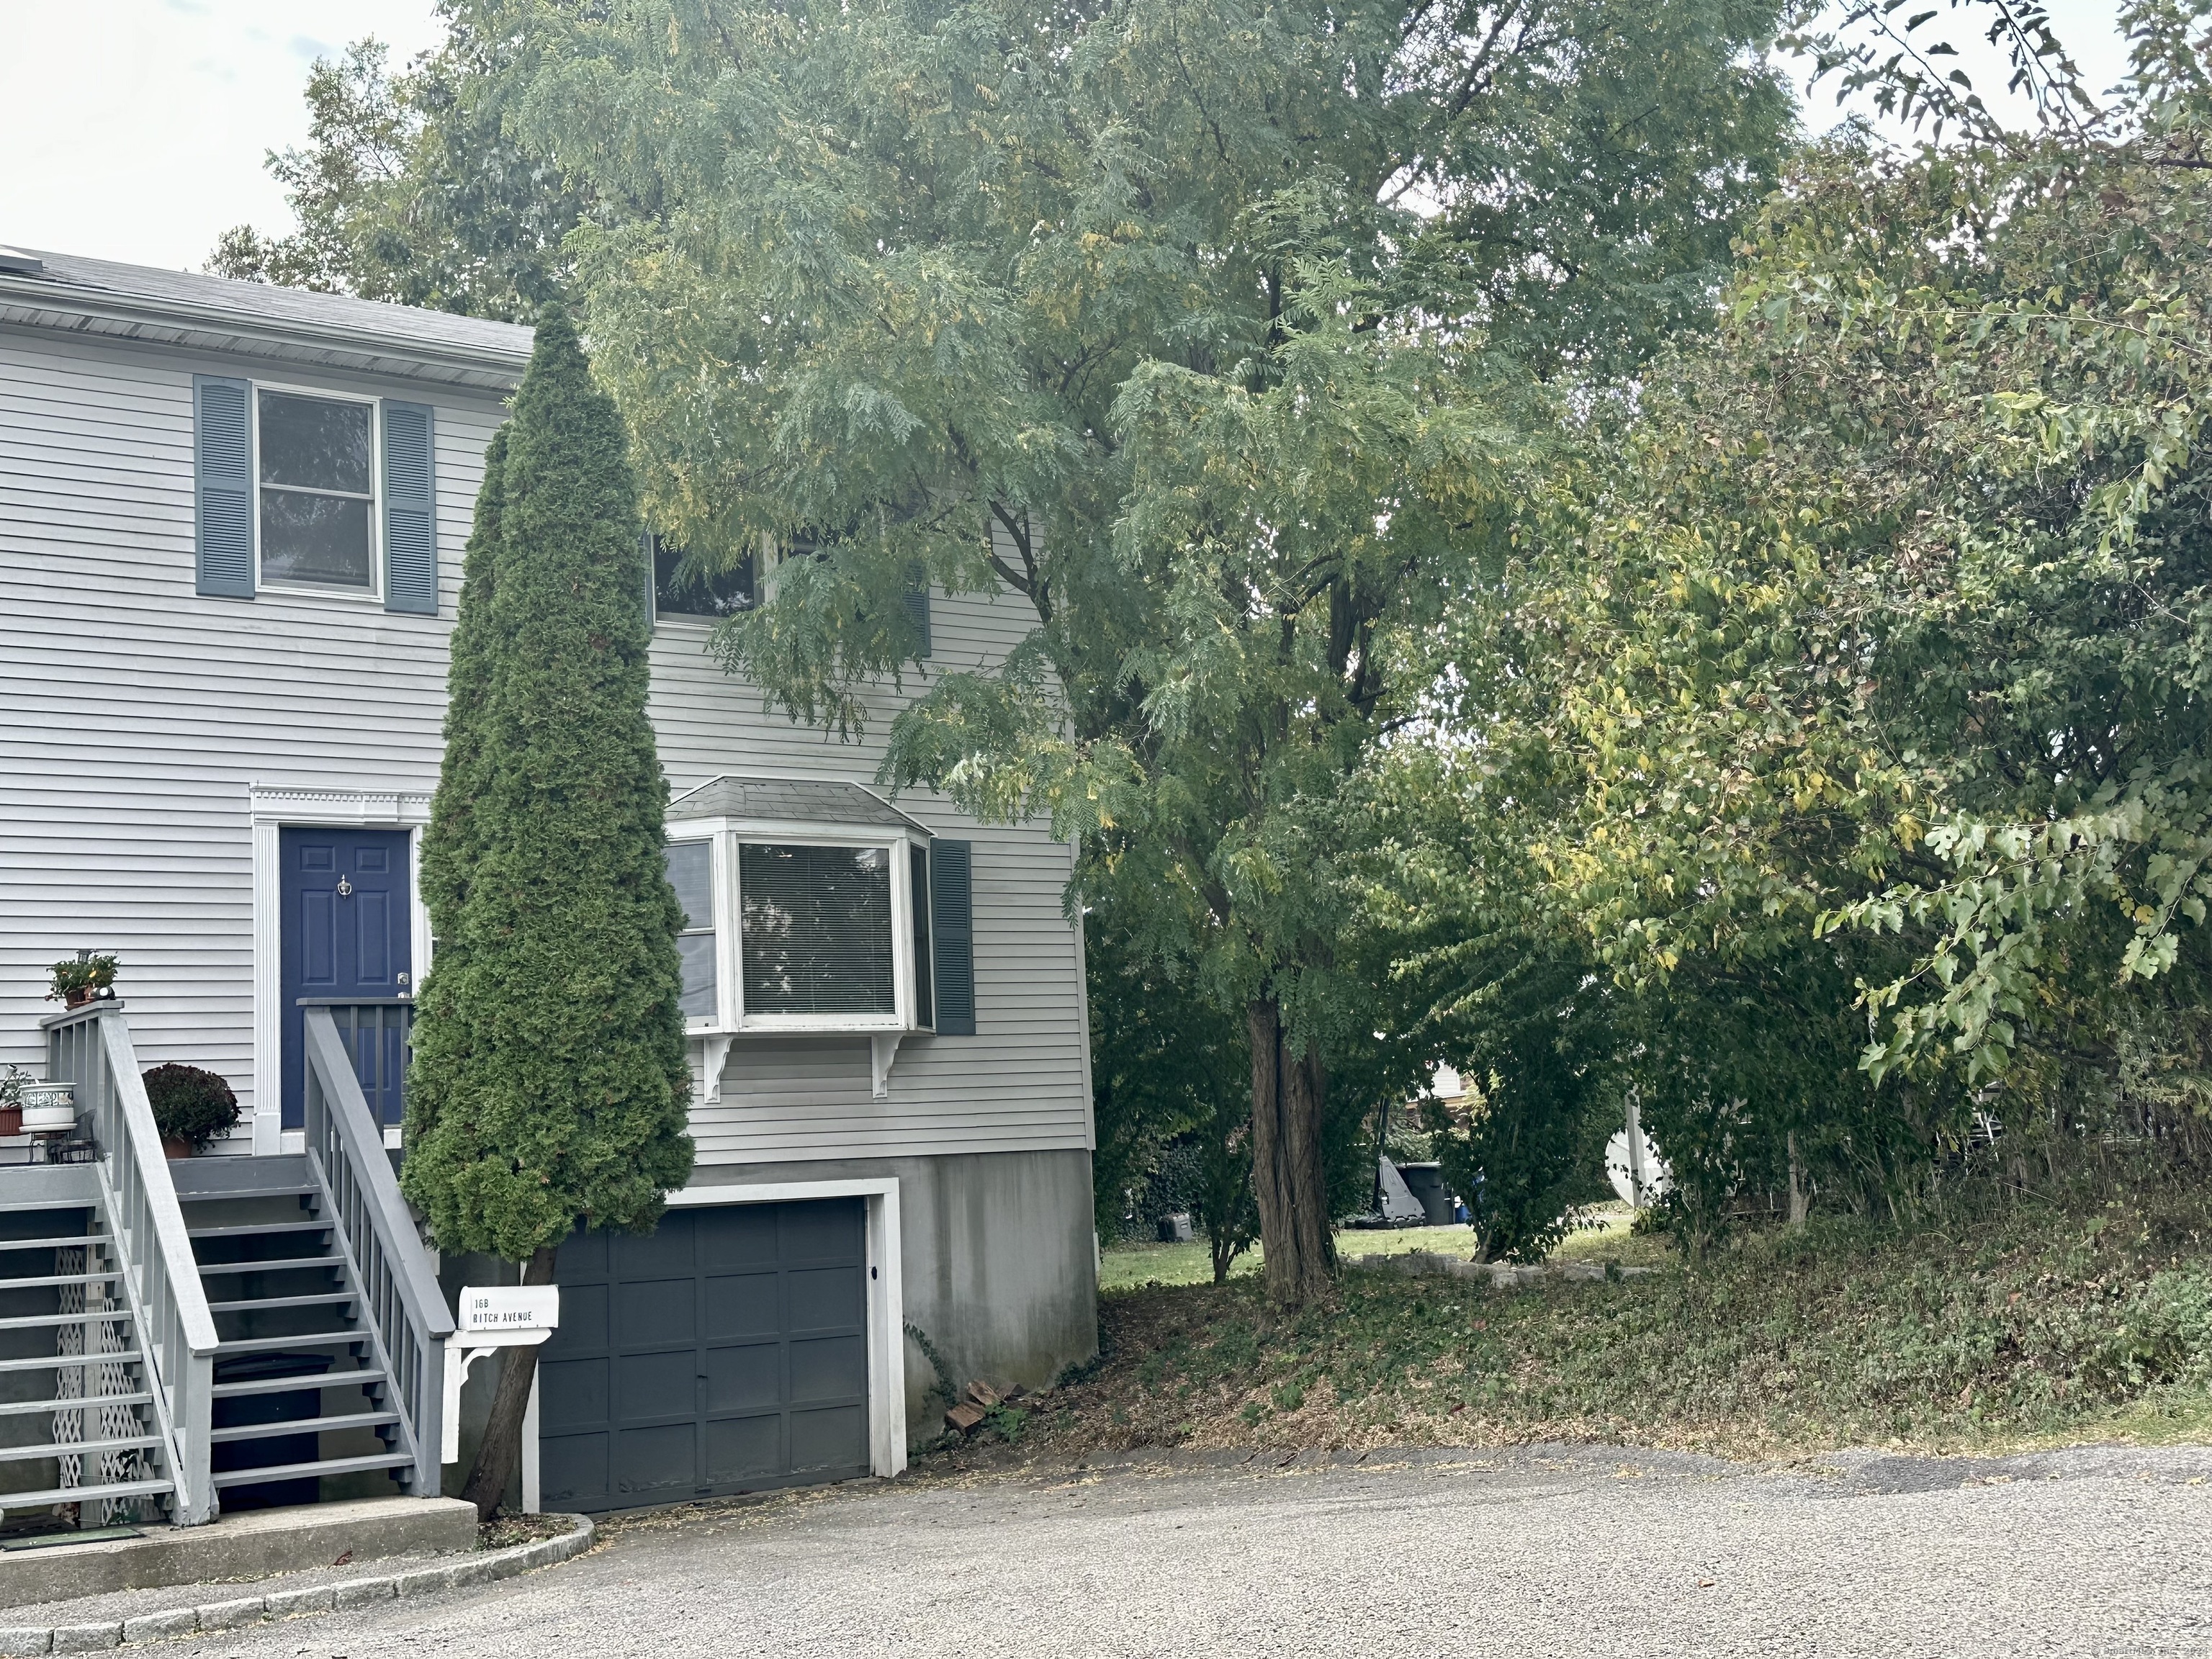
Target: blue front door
346,903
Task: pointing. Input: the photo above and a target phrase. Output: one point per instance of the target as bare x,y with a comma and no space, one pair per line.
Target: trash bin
1175,1228
278,1406
1426,1183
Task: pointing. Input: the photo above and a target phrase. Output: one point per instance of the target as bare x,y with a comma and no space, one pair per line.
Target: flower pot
49,1107
176,1146
11,1120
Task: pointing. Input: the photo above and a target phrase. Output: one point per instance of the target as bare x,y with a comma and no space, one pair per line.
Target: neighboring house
231,525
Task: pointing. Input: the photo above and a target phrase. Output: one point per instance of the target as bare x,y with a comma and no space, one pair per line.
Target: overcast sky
135,129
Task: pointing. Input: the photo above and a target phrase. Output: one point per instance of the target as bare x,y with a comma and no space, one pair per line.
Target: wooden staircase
299,1365
178,1338
78,1416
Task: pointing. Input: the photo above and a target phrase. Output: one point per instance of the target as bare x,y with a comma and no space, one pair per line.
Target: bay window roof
790,801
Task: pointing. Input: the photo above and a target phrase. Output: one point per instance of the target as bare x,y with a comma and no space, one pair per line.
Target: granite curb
485,1569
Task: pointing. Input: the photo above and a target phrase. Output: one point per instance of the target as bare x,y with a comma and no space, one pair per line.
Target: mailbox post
494,1316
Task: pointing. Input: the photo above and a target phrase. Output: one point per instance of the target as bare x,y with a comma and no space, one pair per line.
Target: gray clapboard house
231,520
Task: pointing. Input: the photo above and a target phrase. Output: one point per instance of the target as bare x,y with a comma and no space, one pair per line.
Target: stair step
33,1500
7,1245
364,1377
257,1228
324,1466
58,1278
31,1407
321,1299
64,1448
315,1340
280,1265
215,1195
305,1424
61,1361
33,1321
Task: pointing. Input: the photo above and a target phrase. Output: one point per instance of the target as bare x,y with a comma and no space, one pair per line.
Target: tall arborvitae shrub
550,1086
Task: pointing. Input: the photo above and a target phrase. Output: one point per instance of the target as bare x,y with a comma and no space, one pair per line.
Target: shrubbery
190,1104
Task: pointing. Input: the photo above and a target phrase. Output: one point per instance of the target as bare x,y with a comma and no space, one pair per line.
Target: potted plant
192,1108
80,980
47,1108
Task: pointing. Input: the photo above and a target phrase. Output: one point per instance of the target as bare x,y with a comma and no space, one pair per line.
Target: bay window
807,908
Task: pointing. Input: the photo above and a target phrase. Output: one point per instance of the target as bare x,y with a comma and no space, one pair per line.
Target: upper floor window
697,595
316,472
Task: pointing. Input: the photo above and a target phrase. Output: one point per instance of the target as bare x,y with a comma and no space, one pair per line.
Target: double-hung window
808,907
316,476
300,491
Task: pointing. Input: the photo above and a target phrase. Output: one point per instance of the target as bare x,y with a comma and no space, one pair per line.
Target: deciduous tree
1209,332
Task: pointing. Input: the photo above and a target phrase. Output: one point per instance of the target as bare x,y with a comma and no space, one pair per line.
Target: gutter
35,303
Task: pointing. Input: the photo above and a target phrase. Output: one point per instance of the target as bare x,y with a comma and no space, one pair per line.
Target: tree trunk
501,1454
1287,1096
1798,1199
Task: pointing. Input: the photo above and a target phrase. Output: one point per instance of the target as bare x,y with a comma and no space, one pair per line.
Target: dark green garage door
725,1353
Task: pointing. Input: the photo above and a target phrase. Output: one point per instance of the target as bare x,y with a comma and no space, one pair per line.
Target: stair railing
406,1310
91,1048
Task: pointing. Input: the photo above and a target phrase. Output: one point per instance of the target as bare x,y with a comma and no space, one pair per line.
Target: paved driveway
1574,1553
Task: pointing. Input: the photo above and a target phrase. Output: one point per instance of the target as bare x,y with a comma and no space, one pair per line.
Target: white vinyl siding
134,715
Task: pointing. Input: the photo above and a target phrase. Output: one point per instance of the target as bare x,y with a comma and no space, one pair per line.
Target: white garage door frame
886,1315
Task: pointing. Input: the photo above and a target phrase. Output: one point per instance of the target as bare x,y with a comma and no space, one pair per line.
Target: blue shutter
410,511
915,601
222,453
952,912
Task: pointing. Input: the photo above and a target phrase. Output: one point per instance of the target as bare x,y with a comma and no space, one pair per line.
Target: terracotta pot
79,997
176,1146
11,1120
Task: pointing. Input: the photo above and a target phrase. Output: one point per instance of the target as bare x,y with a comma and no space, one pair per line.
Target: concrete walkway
1590,1552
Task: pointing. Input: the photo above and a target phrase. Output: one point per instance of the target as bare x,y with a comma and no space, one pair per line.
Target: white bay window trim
732,1018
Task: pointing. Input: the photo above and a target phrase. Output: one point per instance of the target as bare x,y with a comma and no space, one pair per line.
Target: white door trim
886,1315
269,810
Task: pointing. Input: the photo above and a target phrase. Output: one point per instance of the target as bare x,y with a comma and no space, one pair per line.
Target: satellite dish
1642,1180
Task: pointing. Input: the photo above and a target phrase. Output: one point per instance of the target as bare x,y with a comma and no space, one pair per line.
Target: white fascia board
29,302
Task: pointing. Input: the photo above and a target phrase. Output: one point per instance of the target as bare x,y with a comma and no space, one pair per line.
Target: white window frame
373,594
718,880
728,834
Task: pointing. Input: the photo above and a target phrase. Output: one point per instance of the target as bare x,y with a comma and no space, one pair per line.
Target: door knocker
345,888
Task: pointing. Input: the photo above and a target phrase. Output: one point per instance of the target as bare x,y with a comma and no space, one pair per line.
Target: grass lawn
1604,1236
2018,1323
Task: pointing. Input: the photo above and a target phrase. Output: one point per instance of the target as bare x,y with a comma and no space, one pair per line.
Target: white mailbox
493,1316
510,1308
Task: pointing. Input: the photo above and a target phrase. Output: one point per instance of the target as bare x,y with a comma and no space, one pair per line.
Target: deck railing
90,1046
374,1032
406,1310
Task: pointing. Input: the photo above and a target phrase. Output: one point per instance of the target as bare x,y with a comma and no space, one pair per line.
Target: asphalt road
1580,1553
